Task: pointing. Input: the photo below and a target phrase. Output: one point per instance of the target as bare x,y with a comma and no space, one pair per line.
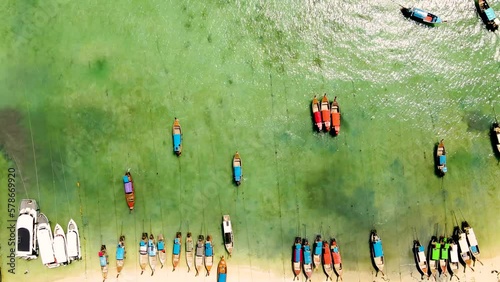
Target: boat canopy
435,252
24,224
72,238
222,277
296,253
177,141
208,249
336,255
60,249
102,260
421,256
177,246
474,249
228,238
490,14
128,188
442,159
421,248
161,246
307,255
151,248
454,253
377,248
237,173
444,251
120,252
143,248
45,245
471,237
125,179
419,13
462,241
318,248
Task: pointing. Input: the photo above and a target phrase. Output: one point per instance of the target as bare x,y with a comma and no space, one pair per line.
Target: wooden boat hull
128,185
325,112
307,259
327,260
199,254
222,270
152,262
189,252
317,114
209,262
143,261
420,258
209,254
335,111
177,137
336,258
421,16
487,15
308,270
119,266
199,264
297,256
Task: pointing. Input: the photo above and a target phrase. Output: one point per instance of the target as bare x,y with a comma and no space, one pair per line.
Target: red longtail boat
327,260
317,114
335,110
325,112
128,186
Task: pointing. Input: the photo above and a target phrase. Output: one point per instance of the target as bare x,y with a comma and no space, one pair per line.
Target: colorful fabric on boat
444,251
307,255
177,246
442,159
161,246
490,14
296,253
208,250
143,248
222,277
237,173
420,248
125,179
128,187
336,256
377,249
473,249
317,116
177,142
435,252
120,252
319,248
419,13
102,261
151,248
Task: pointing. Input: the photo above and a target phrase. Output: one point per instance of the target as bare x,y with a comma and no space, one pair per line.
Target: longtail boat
463,246
495,131
471,239
120,255
297,257
128,185
317,114
421,16
59,245
441,158
221,270
73,241
200,254
420,259
434,255
103,262
176,251
152,253
227,228
377,251
209,254
317,253
453,262
162,252
327,260
237,170
307,262
189,251
487,15
443,259
337,260
177,137
143,252
325,113
335,111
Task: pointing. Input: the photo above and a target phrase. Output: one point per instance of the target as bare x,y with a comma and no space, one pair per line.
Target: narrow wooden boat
45,242
227,228
177,137
200,254
471,239
237,170
103,262
176,250
335,111
421,16
443,259
325,113
120,255
337,260
317,114
26,245
73,241
152,253
495,130
209,254
60,251
143,252
487,15
441,158
420,259
327,260
463,246
307,262
434,255
297,257
189,251
453,262
162,252
377,251
128,185
318,251
222,270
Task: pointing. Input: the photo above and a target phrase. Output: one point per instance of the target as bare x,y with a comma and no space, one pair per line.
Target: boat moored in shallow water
227,228
26,230
176,251
487,15
495,131
421,16
209,254
297,257
325,113
335,111
177,137
307,262
60,251
45,242
103,262
152,253
443,259
471,239
327,260
120,255
463,246
200,254
128,186
162,253
337,259
318,249
222,270
420,259
317,114
453,262
73,241
441,158
143,252
377,251
189,251
237,170
434,255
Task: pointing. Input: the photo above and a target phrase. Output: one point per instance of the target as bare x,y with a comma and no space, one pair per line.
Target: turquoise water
91,89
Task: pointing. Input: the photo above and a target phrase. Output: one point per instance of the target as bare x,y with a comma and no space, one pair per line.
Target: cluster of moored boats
326,115
199,254
34,237
482,7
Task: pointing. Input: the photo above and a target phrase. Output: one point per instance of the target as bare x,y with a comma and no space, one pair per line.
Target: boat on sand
463,246
307,262
317,114
297,257
420,259
73,241
318,251
120,255
471,239
337,260
162,253
176,250
128,186
377,251
60,251
143,252
222,270
335,111
325,113
209,254
189,251
45,242
453,261
103,262
327,260
152,253
227,228
434,255
177,137
443,259
200,254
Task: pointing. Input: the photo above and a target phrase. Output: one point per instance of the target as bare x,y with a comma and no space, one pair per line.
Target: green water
90,89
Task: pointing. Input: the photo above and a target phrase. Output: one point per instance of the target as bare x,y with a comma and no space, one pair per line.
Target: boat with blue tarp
471,239
420,259
162,253
307,263
237,171
128,186
487,15
318,249
377,251
222,270
177,137
176,251
209,254
337,259
152,253
421,16
120,255
297,257
441,158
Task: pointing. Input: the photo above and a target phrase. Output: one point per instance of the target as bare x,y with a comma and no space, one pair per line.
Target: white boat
200,254
453,262
73,241
228,233
45,242
189,251
152,253
60,250
26,231
471,238
463,247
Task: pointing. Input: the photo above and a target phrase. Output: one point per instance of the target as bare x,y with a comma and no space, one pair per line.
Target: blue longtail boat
421,16
237,172
377,251
487,15
177,137
297,257
307,263
318,251
222,270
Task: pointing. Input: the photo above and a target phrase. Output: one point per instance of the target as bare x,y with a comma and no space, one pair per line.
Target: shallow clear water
94,87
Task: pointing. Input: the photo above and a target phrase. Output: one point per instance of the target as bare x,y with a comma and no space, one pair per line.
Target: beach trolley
227,228
377,251
73,241
26,246
221,270
45,242
237,172
128,186
177,137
